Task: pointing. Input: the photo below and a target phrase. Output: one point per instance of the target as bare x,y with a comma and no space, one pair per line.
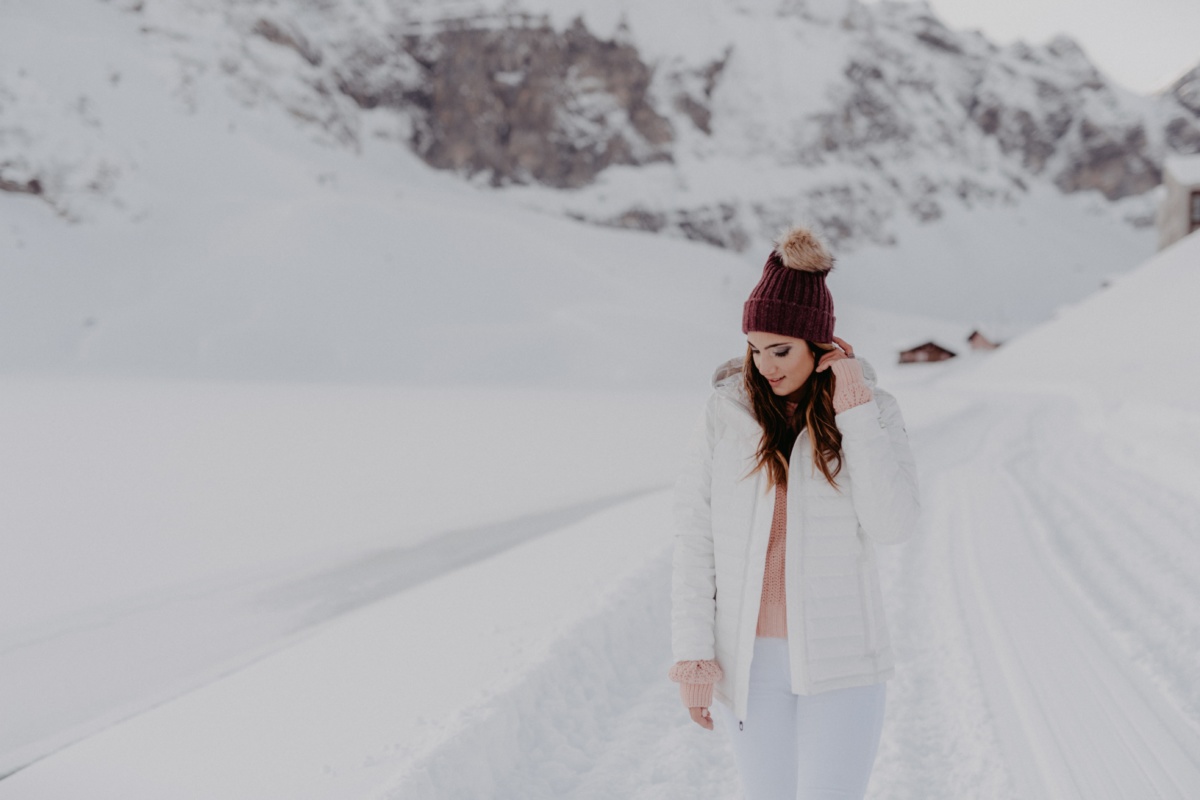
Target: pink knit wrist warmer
849,386
696,679
696,695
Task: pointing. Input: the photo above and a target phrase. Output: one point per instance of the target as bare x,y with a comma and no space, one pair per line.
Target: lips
774,381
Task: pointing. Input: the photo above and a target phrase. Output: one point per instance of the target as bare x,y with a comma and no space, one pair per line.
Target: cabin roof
927,343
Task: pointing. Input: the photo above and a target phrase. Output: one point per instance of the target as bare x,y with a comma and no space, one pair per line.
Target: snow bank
1133,342
1127,356
159,534
417,695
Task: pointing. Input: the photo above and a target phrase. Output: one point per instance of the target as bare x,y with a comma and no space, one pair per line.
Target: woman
801,468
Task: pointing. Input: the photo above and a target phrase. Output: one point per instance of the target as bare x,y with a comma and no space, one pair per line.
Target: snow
225,278
1185,169
1129,343
542,673
327,476
1052,569
175,530
310,722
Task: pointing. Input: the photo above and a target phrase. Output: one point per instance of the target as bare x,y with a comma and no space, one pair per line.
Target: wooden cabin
922,353
980,342
1179,214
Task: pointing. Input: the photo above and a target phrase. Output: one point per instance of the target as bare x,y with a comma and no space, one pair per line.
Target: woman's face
784,361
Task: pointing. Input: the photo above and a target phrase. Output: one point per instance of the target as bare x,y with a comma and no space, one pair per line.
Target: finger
829,358
842,343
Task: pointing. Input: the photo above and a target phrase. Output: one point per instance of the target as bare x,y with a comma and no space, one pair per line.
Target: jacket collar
727,380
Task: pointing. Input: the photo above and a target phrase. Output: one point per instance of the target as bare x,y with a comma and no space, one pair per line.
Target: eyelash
777,353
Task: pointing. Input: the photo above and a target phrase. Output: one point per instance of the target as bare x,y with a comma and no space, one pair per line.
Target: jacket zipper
793,584
750,543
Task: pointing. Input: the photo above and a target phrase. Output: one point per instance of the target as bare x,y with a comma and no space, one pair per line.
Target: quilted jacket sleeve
881,467
693,573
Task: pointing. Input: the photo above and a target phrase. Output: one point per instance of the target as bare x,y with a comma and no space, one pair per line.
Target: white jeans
797,747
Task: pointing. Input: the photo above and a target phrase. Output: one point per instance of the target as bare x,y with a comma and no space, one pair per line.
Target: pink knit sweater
696,678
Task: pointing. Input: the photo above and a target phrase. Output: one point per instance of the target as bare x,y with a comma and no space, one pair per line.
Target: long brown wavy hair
814,411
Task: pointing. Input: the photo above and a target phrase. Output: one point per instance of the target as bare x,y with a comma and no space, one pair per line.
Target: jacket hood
727,378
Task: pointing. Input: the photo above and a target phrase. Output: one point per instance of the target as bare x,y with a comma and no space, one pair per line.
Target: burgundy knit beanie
791,298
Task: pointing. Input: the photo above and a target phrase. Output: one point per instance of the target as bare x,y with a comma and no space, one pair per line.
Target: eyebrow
768,347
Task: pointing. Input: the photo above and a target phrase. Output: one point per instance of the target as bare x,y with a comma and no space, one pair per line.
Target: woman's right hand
701,717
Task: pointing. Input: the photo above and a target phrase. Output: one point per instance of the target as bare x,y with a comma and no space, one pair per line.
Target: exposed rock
518,101
638,219
696,104
290,38
1112,163
865,115
933,33
1186,91
716,225
32,186
1183,136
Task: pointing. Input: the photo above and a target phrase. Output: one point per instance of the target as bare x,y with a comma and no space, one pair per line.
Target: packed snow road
1066,568
1043,618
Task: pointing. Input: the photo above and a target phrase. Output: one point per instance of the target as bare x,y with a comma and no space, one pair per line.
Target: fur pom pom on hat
791,298
800,249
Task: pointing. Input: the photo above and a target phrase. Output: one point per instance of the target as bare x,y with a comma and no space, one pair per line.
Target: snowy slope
149,519
212,206
160,534
1045,623
235,246
253,560
1127,357
1132,343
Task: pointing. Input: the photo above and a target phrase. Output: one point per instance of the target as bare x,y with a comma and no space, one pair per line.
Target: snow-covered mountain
848,114
262,188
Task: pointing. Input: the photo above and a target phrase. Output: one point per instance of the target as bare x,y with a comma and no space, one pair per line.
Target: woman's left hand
843,350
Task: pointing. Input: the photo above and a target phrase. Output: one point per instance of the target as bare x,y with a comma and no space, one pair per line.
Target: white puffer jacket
837,636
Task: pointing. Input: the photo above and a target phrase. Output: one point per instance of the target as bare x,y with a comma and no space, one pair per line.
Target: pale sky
1142,44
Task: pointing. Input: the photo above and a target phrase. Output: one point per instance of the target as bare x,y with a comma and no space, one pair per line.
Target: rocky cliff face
741,113
515,100
871,112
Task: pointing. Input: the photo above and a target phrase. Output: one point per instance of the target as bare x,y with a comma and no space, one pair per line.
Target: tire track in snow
599,719
1129,545
939,737
1010,684
1066,698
